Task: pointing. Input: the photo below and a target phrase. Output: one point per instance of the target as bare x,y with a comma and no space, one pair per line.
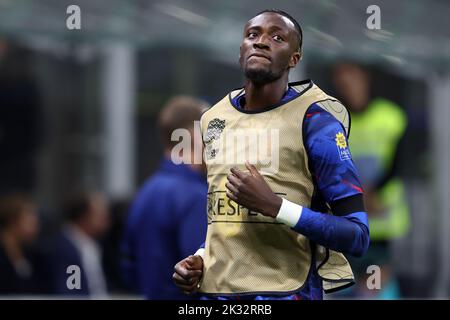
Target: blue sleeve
336,178
347,234
329,155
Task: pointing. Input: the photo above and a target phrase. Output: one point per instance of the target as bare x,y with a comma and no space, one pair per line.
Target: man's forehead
274,17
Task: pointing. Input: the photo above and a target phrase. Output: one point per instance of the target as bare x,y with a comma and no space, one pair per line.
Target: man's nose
261,43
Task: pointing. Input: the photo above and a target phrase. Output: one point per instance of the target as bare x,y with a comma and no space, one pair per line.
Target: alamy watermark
73,21
373,281
73,281
228,147
373,22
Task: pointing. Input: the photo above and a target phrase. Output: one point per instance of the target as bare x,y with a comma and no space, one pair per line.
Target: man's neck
196,167
258,97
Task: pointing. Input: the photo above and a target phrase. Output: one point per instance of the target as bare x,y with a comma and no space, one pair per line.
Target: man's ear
240,47
295,58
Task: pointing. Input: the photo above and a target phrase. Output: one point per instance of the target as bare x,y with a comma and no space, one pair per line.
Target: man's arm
348,233
201,251
189,271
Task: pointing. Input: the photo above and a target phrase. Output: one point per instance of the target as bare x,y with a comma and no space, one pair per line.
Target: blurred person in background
378,127
111,245
78,244
19,228
167,217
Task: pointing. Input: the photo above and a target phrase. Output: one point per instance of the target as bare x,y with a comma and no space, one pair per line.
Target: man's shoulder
328,110
320,95
61,246
220,105
311,94
158,181
319,119
170,184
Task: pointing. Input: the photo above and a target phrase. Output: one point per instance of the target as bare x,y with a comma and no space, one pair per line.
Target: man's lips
259,55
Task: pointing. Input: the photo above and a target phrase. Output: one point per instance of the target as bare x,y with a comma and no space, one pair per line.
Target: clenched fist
250,190
188,273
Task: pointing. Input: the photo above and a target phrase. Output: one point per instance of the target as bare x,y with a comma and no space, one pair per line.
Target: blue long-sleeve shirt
347,234
166,223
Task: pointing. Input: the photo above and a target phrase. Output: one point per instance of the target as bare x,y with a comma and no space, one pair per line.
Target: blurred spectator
111,246
377,129
19,228
87,221
167,220
19,120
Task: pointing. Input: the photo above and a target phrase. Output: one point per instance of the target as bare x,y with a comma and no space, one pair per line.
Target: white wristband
200,252
289,213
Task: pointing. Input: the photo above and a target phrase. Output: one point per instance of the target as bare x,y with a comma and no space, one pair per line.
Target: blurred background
78,114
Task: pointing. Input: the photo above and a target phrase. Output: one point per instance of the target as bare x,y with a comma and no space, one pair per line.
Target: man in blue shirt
166,220
271,46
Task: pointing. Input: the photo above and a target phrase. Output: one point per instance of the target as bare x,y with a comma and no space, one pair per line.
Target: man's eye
278,38
251,35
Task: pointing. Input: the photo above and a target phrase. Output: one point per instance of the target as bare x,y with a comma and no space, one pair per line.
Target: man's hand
188,273
252,191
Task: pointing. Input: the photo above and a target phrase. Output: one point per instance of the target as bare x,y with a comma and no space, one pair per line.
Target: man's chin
259,75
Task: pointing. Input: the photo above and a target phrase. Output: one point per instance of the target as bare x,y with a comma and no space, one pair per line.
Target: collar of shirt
289,94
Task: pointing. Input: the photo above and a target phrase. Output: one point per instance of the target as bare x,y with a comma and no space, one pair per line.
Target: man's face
269,48
352,85
98,219
27,225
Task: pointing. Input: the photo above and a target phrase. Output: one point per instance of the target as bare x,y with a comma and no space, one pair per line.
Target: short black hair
180,112
298,28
